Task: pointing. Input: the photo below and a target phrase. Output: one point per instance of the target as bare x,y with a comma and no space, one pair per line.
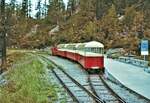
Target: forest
116,23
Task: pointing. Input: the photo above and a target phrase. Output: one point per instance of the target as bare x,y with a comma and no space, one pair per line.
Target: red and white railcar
89,55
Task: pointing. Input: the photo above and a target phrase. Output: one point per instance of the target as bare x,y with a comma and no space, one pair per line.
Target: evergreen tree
56,10
120,6
13,5
45,8
130,14
146,10
29,8
39,10
110,23
101,7
85,5
131,2
24,11
71,6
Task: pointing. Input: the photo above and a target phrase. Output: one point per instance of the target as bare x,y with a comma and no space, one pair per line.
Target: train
90,55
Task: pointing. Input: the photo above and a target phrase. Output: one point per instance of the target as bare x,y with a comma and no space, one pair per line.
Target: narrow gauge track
102,93
75,89
102,90
78,92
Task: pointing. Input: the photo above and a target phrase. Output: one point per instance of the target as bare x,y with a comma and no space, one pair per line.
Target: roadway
131,76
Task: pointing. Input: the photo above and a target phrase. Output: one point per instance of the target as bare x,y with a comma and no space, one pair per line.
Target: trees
130,14
38,8
120,6
102,20
87,5
131,2
13,5
102,7
56,10
71,7
146,10
29,8
45,8
24,10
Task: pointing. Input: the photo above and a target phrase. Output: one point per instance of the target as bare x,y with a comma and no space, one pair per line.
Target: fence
133,61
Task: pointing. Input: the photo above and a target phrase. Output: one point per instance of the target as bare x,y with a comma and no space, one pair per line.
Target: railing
133,61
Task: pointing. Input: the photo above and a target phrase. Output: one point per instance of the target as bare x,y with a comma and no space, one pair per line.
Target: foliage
130,14
39,13
55,11
115,23
26,85
24,10
108,21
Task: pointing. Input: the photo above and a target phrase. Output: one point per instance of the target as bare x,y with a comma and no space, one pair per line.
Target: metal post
145,60
144,57
3,36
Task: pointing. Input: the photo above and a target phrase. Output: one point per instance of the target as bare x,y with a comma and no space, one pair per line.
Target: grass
27,83
45,52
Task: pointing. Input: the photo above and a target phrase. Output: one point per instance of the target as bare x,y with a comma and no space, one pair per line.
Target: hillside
114,29
116,23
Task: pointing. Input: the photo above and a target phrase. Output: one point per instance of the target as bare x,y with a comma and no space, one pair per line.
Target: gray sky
34,3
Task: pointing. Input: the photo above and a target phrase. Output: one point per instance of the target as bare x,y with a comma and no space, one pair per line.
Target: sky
33,1
34,4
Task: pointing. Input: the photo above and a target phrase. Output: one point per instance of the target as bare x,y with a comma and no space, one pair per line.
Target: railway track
99,93
102,90
78,92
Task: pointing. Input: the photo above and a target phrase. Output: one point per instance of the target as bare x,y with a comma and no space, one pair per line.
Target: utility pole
3,35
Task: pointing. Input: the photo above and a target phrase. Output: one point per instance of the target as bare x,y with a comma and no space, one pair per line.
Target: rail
133,61
116,95
65,86
102,90
92,95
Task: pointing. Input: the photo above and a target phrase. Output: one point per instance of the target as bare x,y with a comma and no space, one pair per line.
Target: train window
100,50
88,49
94,50
97,50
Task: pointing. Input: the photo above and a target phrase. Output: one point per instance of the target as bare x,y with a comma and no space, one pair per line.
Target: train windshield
95,50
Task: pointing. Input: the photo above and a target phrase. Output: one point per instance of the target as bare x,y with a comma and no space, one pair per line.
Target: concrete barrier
133,61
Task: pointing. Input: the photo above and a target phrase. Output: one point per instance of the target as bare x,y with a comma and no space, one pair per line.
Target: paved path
131,76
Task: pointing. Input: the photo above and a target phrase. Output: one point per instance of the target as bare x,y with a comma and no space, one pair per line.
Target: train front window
94,50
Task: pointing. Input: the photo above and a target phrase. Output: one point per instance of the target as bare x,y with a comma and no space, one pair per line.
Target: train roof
70,45
94,44
90,54
91,44
61,45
